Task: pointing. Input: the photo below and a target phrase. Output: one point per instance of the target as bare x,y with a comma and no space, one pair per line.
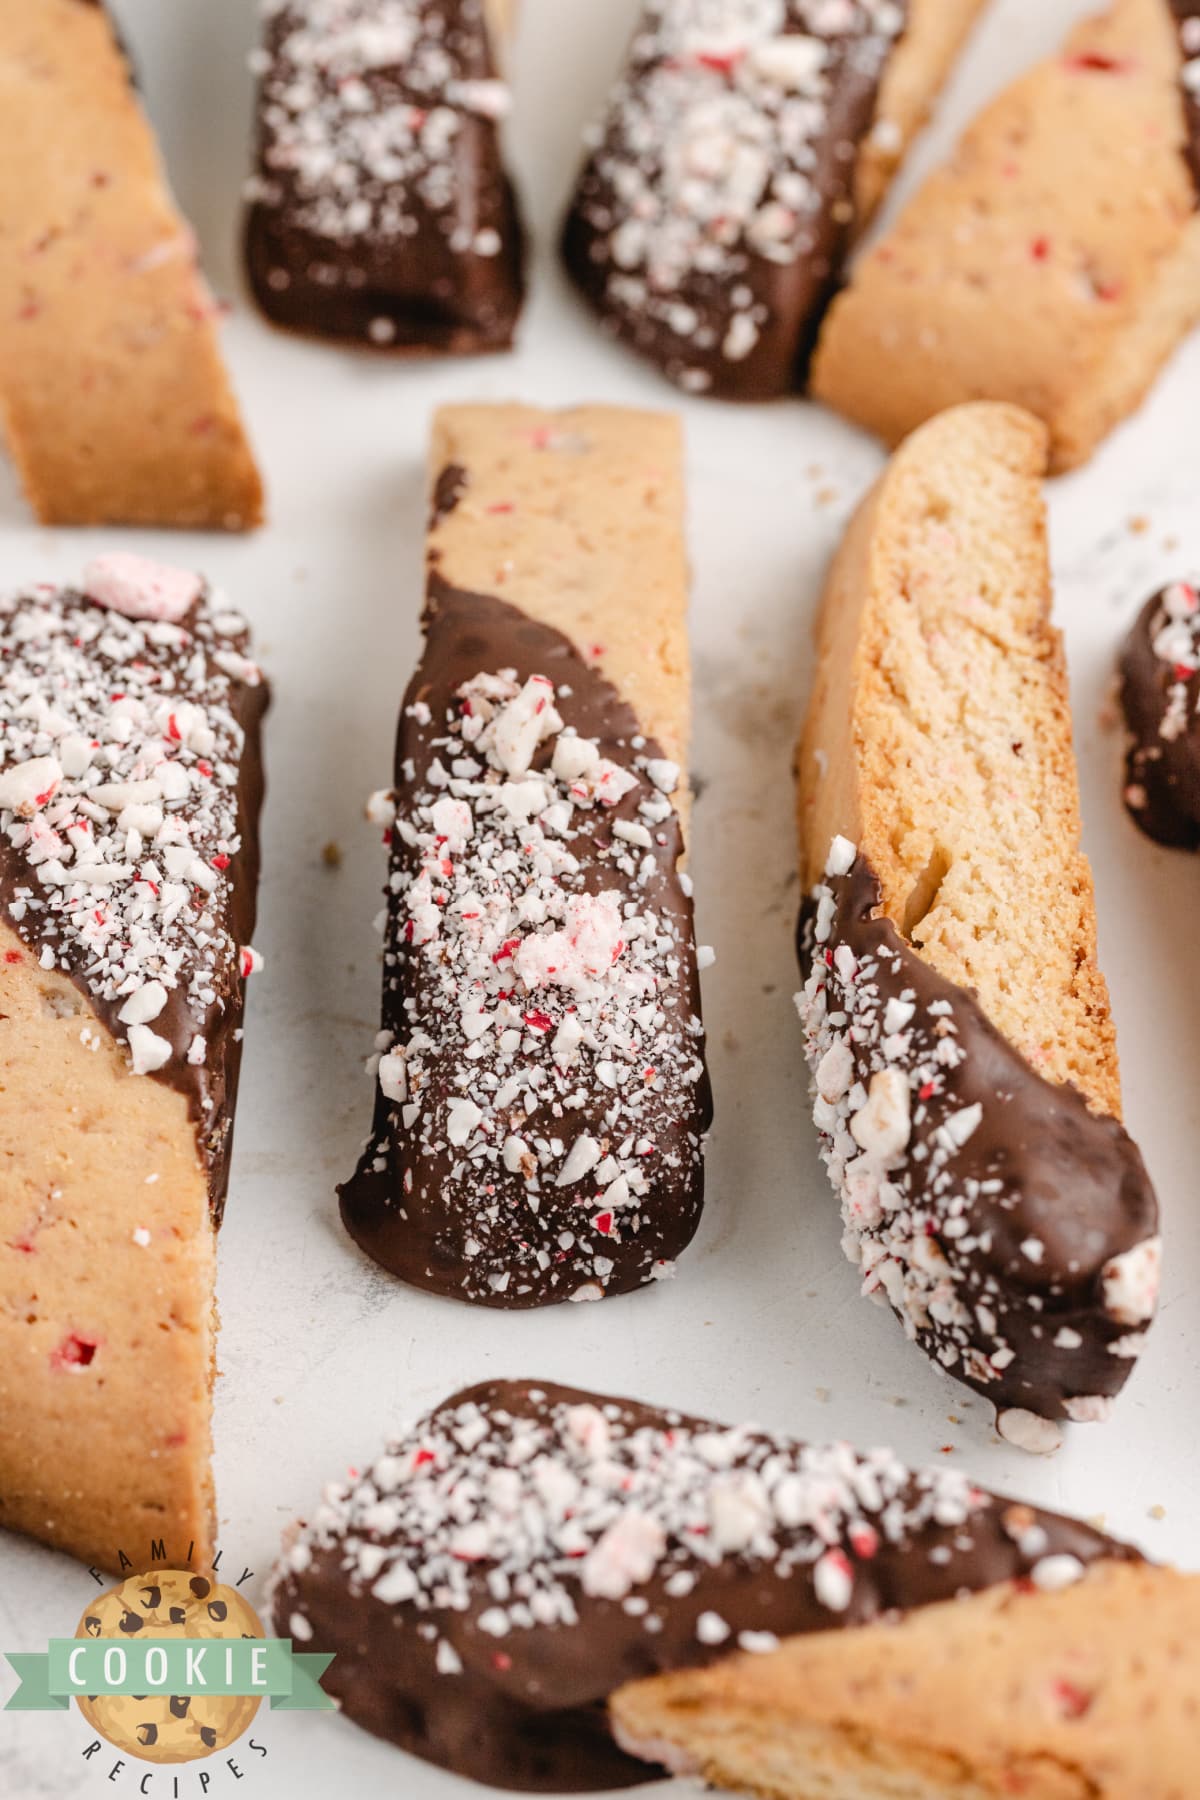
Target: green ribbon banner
268,1667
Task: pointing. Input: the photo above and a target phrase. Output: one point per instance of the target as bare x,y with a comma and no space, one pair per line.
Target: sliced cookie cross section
956,1023
116,403
1054,261
541,1093
130,786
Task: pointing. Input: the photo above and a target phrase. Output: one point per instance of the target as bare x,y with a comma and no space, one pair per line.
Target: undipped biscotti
742,147
966,1088
130,786
541,1095
1160,697
1055,260
380,211
116,403
546,1589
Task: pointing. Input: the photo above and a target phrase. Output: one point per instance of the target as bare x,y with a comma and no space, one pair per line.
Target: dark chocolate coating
210,1088
527,1710
788,294
415,287
419,1227
1038,1171
1162,772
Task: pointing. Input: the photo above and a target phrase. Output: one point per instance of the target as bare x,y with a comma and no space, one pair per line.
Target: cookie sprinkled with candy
380,210
527,1549
542,1095
1012,1231
127,773
1160,697
713,213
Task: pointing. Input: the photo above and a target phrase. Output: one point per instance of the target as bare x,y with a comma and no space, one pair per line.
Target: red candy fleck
1072,1701
501,1660
864,1541
74,1352
538,1021
1040,249
926,1091
220,862
603,1223
13,956
1099,62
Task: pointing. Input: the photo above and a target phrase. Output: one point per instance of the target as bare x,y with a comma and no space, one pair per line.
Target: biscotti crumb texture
116,403
1085,1693
1055,260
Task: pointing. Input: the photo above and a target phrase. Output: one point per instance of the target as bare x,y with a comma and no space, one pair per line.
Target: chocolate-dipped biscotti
1160,697
553,1590
964,1062
380,211
1055,260
541,1095
130,786
116,403
742,147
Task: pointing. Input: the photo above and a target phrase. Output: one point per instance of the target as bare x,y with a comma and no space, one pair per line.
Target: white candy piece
139,588
27,786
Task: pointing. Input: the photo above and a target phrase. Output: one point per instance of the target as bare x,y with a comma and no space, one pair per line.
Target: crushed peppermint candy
516,1510
367,113
121,740
540,1072
712,174
933,1195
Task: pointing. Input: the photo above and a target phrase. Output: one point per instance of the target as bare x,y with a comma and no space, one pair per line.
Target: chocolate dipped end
719,277
206,1000
542,1137
1012,1230
529,1548
1160,695
381,214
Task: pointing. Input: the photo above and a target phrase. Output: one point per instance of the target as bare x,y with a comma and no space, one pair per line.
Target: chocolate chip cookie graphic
170,1603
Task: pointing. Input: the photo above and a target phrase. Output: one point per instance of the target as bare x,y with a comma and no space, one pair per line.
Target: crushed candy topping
119,755
709,162
530,1512
364,116
544,1065
926,1229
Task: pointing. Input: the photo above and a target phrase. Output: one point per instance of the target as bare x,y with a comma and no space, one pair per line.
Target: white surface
320,1352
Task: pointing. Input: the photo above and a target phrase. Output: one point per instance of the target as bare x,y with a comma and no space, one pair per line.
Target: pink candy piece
139,588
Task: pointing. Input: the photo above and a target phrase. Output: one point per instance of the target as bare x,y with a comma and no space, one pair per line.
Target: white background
320,1352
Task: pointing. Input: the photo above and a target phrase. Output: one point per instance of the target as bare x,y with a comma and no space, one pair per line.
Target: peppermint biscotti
1160,696
380,211
130,786
541,1095
116,403
546,1589
956,1024
742,146
1055,261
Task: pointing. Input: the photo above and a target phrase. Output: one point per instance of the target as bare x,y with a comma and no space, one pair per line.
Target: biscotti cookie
1055,261
116,402
130,786
958,1029
741,146
541,1095
524,1573
380,211
1160,696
